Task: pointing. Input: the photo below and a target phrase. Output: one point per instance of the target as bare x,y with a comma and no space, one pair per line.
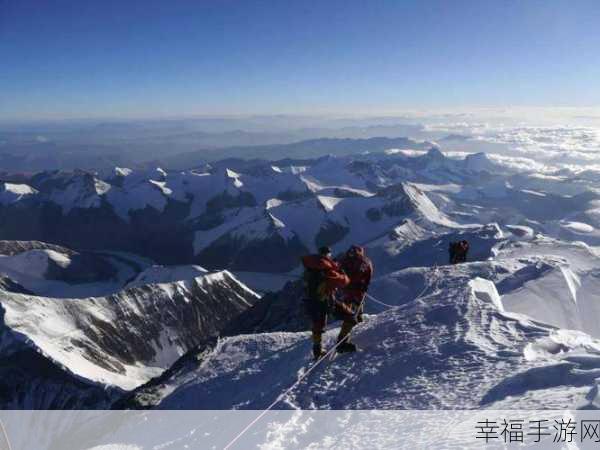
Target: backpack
312,282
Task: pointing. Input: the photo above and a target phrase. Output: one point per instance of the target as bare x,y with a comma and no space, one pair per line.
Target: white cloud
548,147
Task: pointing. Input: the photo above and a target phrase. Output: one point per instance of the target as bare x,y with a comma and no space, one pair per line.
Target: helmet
355,250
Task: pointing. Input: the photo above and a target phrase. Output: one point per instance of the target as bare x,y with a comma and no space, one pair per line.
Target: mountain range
181,289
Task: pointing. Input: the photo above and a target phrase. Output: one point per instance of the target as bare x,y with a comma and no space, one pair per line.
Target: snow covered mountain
84,352
12,192
219,216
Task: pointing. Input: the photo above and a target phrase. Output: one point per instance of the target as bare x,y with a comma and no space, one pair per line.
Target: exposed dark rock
270,254
226,201
331,233
6,284
373,214
281,311
28,380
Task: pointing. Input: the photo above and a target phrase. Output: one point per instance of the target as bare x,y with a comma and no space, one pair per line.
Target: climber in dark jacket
359,269
458,252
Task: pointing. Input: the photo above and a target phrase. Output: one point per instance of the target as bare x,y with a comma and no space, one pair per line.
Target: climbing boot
318,352
346,347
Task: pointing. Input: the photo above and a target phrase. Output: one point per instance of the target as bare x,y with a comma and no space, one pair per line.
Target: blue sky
168,58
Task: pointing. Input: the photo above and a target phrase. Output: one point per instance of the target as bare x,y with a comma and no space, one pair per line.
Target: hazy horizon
531,113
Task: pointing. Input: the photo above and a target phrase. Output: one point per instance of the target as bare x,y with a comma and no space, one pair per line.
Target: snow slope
449,344
559,285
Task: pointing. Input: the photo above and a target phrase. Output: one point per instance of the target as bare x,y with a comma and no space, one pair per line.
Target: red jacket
333,276
360,270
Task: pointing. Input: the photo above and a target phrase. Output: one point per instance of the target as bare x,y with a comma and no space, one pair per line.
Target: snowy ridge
166,274
415,357
11,248
85,191
125,339
460,344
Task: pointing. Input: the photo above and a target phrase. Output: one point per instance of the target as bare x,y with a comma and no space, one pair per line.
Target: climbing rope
5,436
370,297
284,394
316,364
420,295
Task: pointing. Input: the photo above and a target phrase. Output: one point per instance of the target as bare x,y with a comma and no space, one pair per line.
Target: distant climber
458,252
360,270
322,278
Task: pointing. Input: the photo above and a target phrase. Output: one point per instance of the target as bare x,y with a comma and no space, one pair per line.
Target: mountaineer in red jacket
360,270
322,278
